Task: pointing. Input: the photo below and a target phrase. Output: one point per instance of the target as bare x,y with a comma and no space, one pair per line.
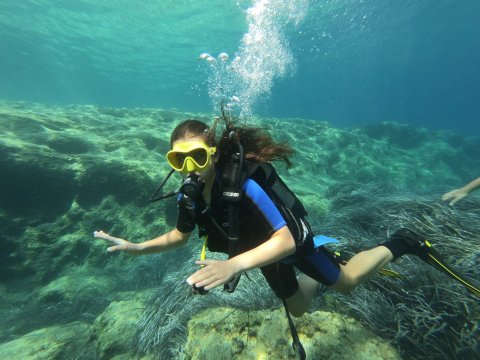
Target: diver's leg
406,241
298,293
318,266
299,303
361,267
358,269
366,263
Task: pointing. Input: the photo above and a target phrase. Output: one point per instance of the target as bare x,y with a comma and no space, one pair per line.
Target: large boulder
223,333
114,330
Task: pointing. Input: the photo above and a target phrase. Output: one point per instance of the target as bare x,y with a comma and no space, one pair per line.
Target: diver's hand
212,274
454,196
119,244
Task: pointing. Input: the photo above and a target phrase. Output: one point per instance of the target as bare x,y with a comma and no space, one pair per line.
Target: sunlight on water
263,56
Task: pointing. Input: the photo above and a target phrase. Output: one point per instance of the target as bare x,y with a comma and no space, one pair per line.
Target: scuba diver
242,207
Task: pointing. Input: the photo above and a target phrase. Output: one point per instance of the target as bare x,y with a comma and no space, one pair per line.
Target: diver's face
192,156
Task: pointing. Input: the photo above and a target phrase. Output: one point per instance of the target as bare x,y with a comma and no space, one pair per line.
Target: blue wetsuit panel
320,265
263,202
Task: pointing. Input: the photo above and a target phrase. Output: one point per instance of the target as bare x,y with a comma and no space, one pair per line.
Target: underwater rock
222,333
114,329
128,184
34,183
403,136
76,284
57,165
69,145
71,341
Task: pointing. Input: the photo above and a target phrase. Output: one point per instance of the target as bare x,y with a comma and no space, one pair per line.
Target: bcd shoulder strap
232,194
267,177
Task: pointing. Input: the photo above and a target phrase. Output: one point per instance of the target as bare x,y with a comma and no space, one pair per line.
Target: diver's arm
218,272
458,194
165,242
280,245
472,185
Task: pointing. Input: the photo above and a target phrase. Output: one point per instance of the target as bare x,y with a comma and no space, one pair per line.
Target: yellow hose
203,255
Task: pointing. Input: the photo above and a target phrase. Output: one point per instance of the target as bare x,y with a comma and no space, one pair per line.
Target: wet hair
192,128
257,143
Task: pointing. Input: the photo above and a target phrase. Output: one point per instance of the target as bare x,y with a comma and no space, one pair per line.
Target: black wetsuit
259,218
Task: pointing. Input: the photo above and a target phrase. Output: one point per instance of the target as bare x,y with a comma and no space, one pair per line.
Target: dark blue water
354,62
409,61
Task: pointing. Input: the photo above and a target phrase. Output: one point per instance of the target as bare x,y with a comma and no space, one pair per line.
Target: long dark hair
257,143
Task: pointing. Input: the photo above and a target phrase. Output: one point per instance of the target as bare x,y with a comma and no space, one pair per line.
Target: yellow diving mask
190,156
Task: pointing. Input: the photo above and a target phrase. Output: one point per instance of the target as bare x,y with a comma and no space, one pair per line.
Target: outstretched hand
119,244
212,274
454,196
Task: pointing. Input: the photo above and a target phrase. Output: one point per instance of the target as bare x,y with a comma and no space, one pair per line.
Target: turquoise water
89,93
348,62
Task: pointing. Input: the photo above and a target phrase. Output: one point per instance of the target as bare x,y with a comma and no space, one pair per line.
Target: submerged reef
67,171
